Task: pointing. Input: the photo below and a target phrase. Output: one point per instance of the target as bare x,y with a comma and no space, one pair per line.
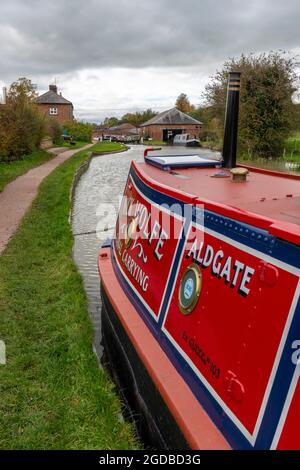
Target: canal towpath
18,195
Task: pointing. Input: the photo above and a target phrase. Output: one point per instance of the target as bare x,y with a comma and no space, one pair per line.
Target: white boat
186,140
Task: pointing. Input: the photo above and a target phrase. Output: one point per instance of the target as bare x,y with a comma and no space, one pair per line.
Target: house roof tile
50,97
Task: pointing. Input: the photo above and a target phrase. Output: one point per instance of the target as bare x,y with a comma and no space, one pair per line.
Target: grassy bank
77,145
10,171
53,395
291,145
212,145
108,147
292,148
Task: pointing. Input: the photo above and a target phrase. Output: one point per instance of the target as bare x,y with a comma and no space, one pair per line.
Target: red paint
234,388
261,201
150,149
269,274
198,429
232,337
136,265
230,332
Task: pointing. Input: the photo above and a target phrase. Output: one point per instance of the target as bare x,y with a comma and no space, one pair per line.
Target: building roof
50,97
125,125
122,129
171,116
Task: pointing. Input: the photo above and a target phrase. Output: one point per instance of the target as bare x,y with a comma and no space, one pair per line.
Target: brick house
54,105
169,123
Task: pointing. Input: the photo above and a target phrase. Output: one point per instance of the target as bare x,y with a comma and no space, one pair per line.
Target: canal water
94,213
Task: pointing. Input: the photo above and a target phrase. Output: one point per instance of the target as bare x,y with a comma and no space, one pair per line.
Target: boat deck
270,194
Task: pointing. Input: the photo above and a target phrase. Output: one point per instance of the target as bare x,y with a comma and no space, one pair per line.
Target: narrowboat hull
158,402
144,405
218,373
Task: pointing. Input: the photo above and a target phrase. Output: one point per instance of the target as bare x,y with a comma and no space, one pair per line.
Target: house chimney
231,120
4,94
53,88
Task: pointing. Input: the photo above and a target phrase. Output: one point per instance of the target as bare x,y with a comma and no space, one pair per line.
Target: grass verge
53,394
77,145
212,145
10,171
292,148
108,146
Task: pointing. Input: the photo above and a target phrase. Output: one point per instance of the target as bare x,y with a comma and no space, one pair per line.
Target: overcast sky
114,56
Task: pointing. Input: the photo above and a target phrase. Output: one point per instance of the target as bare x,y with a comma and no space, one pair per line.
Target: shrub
22,127
267,114
79,130
55,131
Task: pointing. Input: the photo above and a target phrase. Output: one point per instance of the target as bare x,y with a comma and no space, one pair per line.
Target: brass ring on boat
130,231
190,289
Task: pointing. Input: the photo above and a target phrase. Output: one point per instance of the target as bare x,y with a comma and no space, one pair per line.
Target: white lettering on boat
234,272
135,270
149,228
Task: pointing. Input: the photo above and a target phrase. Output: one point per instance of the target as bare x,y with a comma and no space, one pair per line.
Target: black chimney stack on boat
231,120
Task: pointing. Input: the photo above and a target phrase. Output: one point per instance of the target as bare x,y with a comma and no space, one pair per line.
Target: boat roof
272,195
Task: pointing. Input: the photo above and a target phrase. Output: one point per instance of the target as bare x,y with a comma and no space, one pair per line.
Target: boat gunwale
198,428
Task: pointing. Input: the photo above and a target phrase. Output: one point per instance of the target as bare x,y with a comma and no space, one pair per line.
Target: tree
22,91
22,126
131,118
183,104
212,130
79,130
267,114
111,121
138,118
148,114
55,131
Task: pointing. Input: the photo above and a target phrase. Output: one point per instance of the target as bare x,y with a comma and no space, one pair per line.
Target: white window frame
53,111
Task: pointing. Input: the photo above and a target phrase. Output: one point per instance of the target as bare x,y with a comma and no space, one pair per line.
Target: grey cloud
64,36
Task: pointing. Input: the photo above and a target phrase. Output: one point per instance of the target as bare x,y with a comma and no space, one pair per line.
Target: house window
53,111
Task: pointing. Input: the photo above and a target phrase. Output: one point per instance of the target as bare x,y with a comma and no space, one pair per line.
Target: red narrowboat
201,311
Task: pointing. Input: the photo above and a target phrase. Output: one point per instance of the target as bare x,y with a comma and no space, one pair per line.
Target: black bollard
231,120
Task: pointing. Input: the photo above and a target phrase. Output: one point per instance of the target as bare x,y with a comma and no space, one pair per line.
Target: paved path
18,195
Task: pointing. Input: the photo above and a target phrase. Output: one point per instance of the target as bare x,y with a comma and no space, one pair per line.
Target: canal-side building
125,130
164,126
55,106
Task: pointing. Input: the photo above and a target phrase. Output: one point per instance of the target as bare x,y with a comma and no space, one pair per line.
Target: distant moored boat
186,140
